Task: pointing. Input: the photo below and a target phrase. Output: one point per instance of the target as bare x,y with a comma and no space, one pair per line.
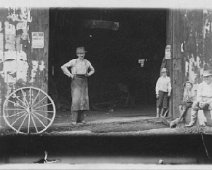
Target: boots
74,116
193,118
81,117
174,123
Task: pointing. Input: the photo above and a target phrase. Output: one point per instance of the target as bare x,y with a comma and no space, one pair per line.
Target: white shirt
79,66
163,84
204,91
188,95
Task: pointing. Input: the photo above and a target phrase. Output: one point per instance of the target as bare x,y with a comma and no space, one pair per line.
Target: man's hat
207,73
80,50
163,70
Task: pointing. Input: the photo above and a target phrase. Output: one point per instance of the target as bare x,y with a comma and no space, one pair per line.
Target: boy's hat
207,73
80,50
163,70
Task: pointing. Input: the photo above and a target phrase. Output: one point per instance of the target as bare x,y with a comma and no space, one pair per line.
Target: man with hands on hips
81,69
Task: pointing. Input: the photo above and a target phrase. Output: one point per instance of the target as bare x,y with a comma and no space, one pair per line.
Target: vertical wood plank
36,76
177,76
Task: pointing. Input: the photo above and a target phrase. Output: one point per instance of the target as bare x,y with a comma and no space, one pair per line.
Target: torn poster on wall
22,29
37,39
1,28
19,14
10,34
1,57
1,41
15,67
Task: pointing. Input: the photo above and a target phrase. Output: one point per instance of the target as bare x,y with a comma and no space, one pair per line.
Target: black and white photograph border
142,90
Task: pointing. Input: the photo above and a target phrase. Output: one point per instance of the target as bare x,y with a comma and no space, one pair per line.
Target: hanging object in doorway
141,62
111,25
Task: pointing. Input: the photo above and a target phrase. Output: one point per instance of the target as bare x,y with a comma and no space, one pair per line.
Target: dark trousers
162,101
184,108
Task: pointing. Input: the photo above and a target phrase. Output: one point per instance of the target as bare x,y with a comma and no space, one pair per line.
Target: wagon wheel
29,110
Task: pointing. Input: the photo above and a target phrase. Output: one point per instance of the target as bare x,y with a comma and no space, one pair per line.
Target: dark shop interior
125,46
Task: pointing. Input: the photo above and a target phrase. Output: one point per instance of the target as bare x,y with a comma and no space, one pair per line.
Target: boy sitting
188,98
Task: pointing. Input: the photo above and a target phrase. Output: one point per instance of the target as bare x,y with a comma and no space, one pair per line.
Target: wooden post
177,62
21,52
169,27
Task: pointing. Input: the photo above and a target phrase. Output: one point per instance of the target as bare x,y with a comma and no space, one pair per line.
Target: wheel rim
29,110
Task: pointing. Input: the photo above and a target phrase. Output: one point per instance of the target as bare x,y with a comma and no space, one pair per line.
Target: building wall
191,49
23,51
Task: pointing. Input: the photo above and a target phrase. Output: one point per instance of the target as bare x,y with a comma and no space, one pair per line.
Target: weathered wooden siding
207,39
21,65
192,49
176,61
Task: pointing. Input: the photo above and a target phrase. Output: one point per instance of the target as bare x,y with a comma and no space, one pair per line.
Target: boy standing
163,92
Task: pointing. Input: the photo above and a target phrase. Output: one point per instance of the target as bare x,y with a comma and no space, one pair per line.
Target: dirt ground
117,122
137,121
142,126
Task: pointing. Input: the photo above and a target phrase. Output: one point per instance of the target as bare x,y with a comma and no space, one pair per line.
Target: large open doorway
118,41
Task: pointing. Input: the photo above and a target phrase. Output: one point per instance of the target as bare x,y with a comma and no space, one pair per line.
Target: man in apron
80,70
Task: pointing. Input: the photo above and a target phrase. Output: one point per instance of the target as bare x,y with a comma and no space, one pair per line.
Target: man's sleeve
65,66
90,66
68,64
156,87
169,85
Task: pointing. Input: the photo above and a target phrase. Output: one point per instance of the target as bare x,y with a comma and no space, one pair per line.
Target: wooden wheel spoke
49,111
24,95
43,106
17,119
21,101
15,103
33,121
39,120
30,96
41,115
16,114
22,123
13,109
36,97
28,123
40,101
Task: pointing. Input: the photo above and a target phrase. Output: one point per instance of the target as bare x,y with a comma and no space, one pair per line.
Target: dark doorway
116,40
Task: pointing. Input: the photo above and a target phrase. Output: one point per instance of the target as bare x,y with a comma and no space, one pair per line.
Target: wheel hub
29,110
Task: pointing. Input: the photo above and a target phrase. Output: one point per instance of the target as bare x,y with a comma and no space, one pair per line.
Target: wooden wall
191,49
28,64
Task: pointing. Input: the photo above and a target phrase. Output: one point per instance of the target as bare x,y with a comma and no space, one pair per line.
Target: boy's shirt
163,84
188,95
